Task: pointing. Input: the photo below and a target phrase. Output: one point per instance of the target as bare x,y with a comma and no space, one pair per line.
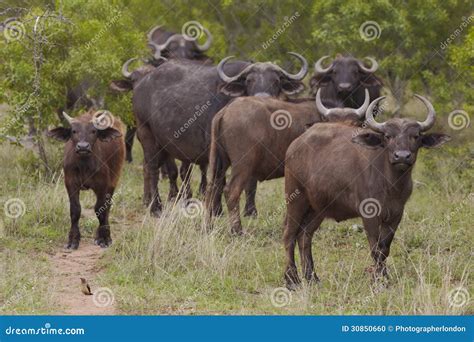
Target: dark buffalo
131,79
336,171
178,46
258,151
344,80
165,45
93,158
174,106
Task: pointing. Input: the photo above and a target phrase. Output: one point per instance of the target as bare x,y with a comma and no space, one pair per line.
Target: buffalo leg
153,160
172,173
203,185
215,191
250,192
129,136
102,209
310,224
295,214
146,186
233,190
75,214
185,173
380,236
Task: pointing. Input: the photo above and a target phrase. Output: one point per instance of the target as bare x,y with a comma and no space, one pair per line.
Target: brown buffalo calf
341,172
252,135
93,157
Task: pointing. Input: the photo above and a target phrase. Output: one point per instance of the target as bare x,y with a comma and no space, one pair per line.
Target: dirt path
68,268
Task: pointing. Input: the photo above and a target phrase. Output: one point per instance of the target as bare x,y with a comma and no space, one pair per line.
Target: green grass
175,265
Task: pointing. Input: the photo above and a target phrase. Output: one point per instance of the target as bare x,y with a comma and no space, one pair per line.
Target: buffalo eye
74,131
94,131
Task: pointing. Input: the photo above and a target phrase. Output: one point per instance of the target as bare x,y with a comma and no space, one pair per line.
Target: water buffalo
174,106
130,80
93,158
178,46
341,173
259,152
345,80
165,45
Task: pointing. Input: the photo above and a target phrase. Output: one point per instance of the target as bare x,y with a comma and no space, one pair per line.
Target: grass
175,265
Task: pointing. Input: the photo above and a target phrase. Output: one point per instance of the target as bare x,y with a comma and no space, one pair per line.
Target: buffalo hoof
155,212
250,212
292,280
237,231
72,245
103,242
313,280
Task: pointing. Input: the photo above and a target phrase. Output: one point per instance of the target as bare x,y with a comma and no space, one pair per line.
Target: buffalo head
176,45
263,79
84,133
130,77
401,138
337,113
344,74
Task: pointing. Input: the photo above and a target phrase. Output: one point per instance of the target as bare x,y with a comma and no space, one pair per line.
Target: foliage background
80,38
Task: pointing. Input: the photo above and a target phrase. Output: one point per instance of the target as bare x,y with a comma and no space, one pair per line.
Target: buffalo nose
83,145
344,86
402,155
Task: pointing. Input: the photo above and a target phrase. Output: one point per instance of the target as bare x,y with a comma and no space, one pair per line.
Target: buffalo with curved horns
175,45
341,173
174,106
259,152
344,80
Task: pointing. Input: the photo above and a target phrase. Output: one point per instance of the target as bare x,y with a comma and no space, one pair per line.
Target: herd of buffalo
334,155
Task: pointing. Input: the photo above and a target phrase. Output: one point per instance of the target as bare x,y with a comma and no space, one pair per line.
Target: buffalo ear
234,88
290,87
108,134
320,80
369,140
121,86
60,133
370,80
434,140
